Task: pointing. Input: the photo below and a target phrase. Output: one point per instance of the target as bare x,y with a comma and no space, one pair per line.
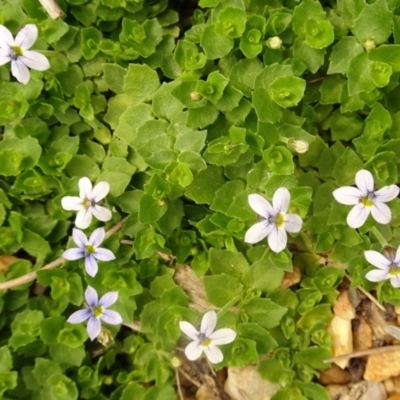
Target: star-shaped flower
17,51
86,203
276,222
366,200
388,266
207,339
89,249
96,311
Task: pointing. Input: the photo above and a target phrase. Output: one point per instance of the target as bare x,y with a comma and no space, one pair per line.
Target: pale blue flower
89,249
96,311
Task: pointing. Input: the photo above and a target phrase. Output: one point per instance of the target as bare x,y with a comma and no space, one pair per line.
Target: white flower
86,203
365,200
274,43
207,339
388,267
17,51
276,221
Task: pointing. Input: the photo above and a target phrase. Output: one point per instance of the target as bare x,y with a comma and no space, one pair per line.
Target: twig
135,325
52,8
31,276
369,295
376,350
189,378
319,79
178,385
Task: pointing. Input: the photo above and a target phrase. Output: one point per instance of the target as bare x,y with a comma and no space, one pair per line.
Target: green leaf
225,261
312,58
374,22
279,160
264,340
140,83
287,91
342,53
114,76
214,44
220,289
347,165
359,75
266,109
316,318
256,309
307,10
6,362
389,54
345,126
231,22
319,34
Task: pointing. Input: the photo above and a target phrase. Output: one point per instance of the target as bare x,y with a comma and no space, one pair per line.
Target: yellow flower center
205,342
17,51
90,249
279,220
97,311
86,203
367,201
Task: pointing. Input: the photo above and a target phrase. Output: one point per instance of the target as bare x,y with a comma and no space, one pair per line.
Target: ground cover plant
226,138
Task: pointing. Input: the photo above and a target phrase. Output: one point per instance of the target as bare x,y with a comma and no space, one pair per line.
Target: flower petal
260,205
73,254
91,265
101,213
93,328
83,218
381,213
258,232
277,240
6,38
104,254
377,259
97,237
79,238
365,181
79,316
20,71
35,60
281,200
214,354
100,191
5,56
189,330
357,216
395,281
91,296
397,257
193,350
26,36
85,188
387,193
71,203
377,275
111,317
108,299
347,195
293,223
208,323
223,336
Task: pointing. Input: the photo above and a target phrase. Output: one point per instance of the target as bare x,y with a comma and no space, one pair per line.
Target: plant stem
380,237
228,305
52,8
31,276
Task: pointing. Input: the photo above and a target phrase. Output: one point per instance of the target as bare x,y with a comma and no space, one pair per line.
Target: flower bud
195,96
299,146
369,45
176,362
274,43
